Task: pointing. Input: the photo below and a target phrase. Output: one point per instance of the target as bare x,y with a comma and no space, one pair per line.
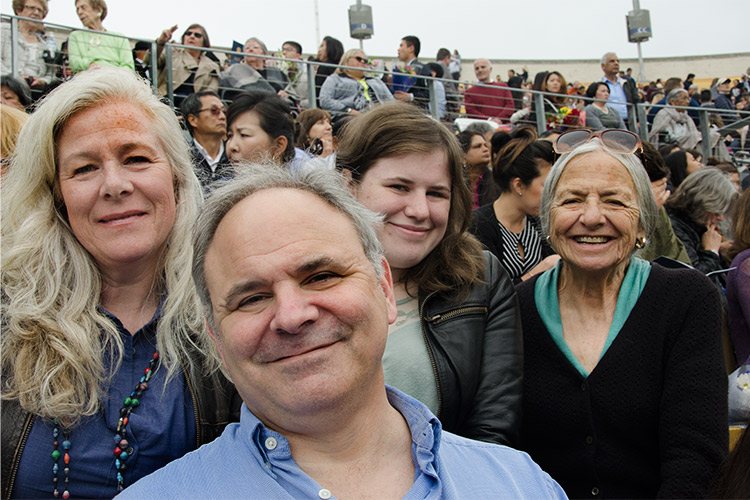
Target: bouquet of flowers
564,118
403,80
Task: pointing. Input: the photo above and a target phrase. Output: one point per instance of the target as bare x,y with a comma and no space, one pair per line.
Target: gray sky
498,29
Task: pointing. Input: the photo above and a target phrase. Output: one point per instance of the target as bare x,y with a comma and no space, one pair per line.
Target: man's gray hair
329,185
674,93
706,191
644,195
479,128
606,56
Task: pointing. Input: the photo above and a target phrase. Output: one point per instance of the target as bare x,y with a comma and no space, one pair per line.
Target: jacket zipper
19,450
198,432
430,354
439,318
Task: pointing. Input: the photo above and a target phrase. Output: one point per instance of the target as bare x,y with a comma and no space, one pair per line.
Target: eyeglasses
196,34
214,110
614,140
31,8
360,59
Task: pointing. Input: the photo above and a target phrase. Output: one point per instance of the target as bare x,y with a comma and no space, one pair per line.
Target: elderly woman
35,47
103,349
350,91
695,209
509,227
259,127
193,70
87,50
456,343
598,115
624,381
675,125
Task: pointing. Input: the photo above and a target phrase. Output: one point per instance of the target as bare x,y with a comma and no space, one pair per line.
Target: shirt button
271,443
589,439
324,494
594,491
583,386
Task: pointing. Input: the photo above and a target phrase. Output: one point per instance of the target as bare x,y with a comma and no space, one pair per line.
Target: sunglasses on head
196,34
614,140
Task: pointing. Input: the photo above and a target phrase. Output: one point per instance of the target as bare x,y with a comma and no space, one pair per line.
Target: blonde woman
350,91
102,345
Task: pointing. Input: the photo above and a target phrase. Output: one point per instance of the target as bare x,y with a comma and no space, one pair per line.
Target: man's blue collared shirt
251,461
617,97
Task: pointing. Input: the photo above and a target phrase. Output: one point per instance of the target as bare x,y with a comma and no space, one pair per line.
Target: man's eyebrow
240,289
313,264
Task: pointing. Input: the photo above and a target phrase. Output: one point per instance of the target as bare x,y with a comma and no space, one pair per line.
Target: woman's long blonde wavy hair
56,342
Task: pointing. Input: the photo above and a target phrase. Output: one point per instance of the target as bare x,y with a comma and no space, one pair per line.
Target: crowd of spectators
553,281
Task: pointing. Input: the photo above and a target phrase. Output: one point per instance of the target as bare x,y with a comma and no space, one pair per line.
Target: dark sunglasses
614,140
361,59
214,110
196,34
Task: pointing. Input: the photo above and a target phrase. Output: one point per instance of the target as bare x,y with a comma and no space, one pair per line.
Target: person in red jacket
491,100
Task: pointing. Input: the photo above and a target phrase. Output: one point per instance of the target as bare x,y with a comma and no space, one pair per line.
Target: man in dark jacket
206,120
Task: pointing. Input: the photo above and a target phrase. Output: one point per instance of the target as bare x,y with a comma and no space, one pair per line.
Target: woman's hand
545,265
327,146
711,239
166,35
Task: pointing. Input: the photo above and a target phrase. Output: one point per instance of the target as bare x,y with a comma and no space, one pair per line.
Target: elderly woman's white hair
54,335
647,209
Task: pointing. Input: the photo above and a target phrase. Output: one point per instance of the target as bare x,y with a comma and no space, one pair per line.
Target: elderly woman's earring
520,193
640,242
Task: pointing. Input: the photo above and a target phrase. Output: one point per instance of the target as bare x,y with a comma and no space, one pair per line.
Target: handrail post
434,111
705,132
541,118
631,116
170,90
153,62
13,44
312,101
642,121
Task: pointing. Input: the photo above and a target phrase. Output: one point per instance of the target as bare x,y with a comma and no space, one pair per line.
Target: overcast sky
498,29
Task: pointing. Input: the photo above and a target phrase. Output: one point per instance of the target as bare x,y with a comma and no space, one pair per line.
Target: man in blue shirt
298,299
621,91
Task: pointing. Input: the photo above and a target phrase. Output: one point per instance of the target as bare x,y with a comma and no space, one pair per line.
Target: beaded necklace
122,448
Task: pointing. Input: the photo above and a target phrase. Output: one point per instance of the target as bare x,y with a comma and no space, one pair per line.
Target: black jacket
215,402
206,176
476,350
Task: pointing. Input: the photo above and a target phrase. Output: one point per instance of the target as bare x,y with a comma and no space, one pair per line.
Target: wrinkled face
195,36
33,9
681,99
553,83
594,216
693,165
117,185
478,153
413,192
10,98
612,66
482,70
602,92
246,140
532,193
301,318
212,117
321,129
86,13
405,52
253,47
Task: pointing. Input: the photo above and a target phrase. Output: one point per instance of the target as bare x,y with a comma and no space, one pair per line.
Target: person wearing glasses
193,70
624,392
205,117
350,91
35,47
88,50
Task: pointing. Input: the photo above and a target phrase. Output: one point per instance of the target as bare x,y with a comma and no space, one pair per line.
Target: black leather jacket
215,402
476,350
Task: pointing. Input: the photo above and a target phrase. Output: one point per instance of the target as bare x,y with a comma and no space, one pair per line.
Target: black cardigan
650,421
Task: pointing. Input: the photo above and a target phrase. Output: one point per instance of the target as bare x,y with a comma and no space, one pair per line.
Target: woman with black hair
598,115
680,164
259,127
330,51
509,227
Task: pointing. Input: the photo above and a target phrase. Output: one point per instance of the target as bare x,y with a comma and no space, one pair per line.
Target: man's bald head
483,70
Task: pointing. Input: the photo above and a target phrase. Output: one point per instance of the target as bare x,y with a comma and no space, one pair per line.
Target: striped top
531,242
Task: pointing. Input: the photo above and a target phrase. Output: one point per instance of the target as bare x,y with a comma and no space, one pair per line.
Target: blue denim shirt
161,429
251,461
